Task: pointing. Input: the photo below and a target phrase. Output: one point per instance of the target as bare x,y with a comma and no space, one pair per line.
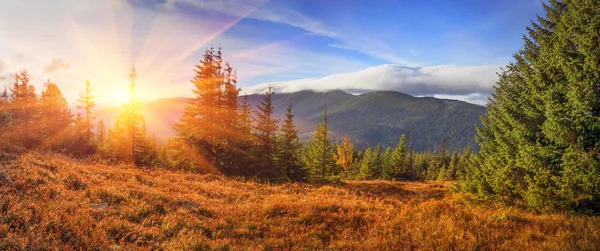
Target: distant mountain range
369,119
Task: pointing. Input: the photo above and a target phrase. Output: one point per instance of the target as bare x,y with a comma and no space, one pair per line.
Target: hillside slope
369,119
50,201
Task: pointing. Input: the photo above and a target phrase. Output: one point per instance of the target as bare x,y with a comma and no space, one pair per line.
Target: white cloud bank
468,83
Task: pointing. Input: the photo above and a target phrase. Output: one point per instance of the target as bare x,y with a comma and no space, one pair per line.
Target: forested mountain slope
369,119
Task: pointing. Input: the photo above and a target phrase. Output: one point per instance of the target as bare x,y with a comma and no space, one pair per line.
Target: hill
369,119
50,202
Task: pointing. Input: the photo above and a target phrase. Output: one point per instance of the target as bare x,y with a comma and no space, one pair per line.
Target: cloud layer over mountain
469,83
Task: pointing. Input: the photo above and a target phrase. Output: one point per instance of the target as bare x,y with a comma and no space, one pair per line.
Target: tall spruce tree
245,120
208,131
439,161
377,162
24,106
86,102
197,127
245,141
319,153
387,164
5,115
453,166
229,153
128,137
55,113
410,145
290,149
400,161
370,164
5,120
464,163
541,131
101,134
266,137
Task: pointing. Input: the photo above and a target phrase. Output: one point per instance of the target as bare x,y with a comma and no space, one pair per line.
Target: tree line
45,122
539,140
218,132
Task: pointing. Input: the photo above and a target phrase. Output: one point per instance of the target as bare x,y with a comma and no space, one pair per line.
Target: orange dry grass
48,207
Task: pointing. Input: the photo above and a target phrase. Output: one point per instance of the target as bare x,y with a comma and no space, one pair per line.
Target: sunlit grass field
54,202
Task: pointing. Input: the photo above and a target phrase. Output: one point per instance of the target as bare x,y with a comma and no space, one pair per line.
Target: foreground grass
56,203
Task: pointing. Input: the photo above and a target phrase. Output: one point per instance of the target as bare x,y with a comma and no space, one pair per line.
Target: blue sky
448,49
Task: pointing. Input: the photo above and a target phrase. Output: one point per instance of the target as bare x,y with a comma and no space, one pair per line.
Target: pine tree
56,115
370,165
410,146
388,172
400,161
25,111
245,115
464,163
54,108
128,137
163,154
209,127
198,125
377,162
439,161
5,120
101,135
442,173
5,116
366,164
266,137
290,148
229,154
245,141
344,155
86,102
441,149
319,153
541,131
146,151
421,165
453,166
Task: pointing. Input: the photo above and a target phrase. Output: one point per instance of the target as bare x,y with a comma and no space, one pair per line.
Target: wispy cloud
56,64
251,9
375,48
295,19
344,39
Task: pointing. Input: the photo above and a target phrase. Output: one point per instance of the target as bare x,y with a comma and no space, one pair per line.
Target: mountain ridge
378,117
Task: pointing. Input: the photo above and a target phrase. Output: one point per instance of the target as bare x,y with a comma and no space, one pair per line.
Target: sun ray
256,50
186,52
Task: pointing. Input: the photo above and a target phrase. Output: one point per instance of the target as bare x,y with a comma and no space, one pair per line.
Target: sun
121,97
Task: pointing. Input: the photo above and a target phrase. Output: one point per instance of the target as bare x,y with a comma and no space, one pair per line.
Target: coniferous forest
252,181
216,134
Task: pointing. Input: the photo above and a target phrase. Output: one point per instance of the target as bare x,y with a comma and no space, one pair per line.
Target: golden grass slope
55,202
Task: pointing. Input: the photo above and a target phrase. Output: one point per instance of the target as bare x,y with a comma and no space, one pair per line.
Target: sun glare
120,97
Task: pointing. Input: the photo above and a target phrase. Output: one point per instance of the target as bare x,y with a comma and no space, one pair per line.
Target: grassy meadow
51,202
